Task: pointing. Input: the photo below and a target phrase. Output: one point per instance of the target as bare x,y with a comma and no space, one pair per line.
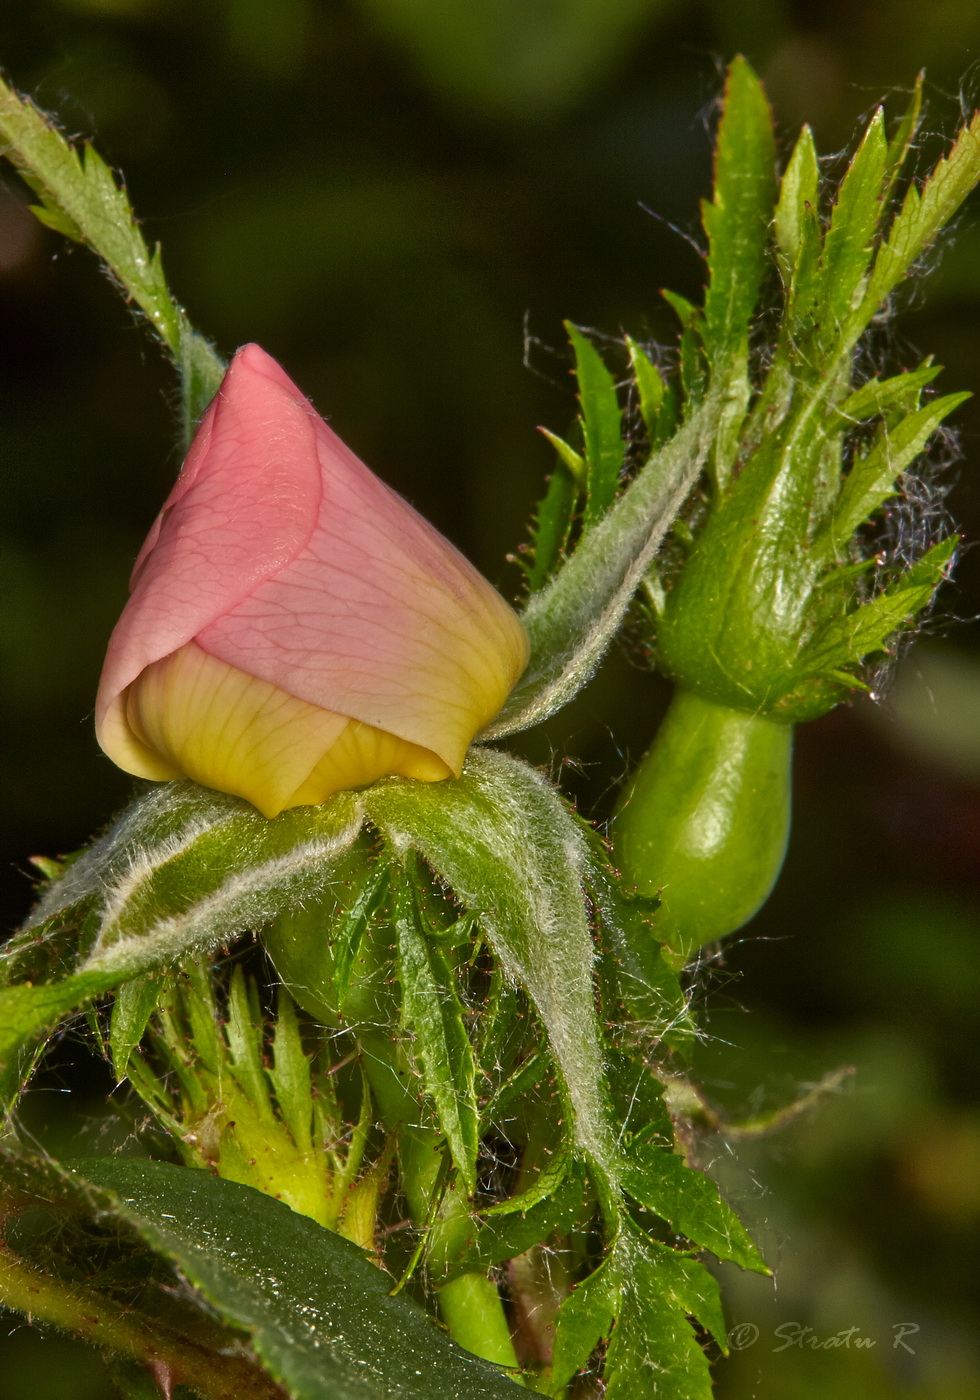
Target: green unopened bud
705,821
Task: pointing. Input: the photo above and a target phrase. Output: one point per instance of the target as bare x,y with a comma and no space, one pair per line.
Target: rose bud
294,627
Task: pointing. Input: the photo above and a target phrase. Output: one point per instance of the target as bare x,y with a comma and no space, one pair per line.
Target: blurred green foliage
381,193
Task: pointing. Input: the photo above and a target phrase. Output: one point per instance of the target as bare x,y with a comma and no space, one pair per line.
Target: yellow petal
194,716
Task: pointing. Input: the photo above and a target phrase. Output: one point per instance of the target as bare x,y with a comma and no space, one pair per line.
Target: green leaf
854,221
901,142
502,838
503,1236
883,396
432,1012
290,1074
556,510
851,638
572,620
584,1320
132,1007
650,388
798,195
692,363
602,426
87,1272
81,199
347,932
320,1317
690,1202
872,478
653,1349
737,220
645,982
923,214
638,1101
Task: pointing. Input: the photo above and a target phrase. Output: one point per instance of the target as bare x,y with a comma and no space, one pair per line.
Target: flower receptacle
704,824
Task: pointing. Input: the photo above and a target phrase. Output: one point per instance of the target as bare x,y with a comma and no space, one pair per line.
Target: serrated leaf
433,1014
737,220
320,1317
584,1320
690,1202
882,396
290,1074
650,388
798,195
572,620
872,478
498,1237
923,214
646,983
81,199
602,426
552,525
653,1349
132,1007
503,840
853,223
858,634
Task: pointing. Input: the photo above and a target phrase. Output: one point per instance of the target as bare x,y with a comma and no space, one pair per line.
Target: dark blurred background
398,200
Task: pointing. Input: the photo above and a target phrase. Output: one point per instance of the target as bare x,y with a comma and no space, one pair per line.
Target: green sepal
182,870
737,220
854,221
877,397
798,195
872,478
433,1015
602,429
867,629
132,1007
552,525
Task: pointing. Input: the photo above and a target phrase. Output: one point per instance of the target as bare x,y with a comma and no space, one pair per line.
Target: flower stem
104,1323
471,1306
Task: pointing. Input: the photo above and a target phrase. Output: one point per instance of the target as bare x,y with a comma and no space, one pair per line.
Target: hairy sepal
504,841
572,620
183,870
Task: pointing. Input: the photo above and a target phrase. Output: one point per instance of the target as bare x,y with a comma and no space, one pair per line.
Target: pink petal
245,503
378,617
281,554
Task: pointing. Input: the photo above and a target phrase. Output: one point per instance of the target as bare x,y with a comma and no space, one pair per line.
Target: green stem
103,1323
705,821
471,1306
